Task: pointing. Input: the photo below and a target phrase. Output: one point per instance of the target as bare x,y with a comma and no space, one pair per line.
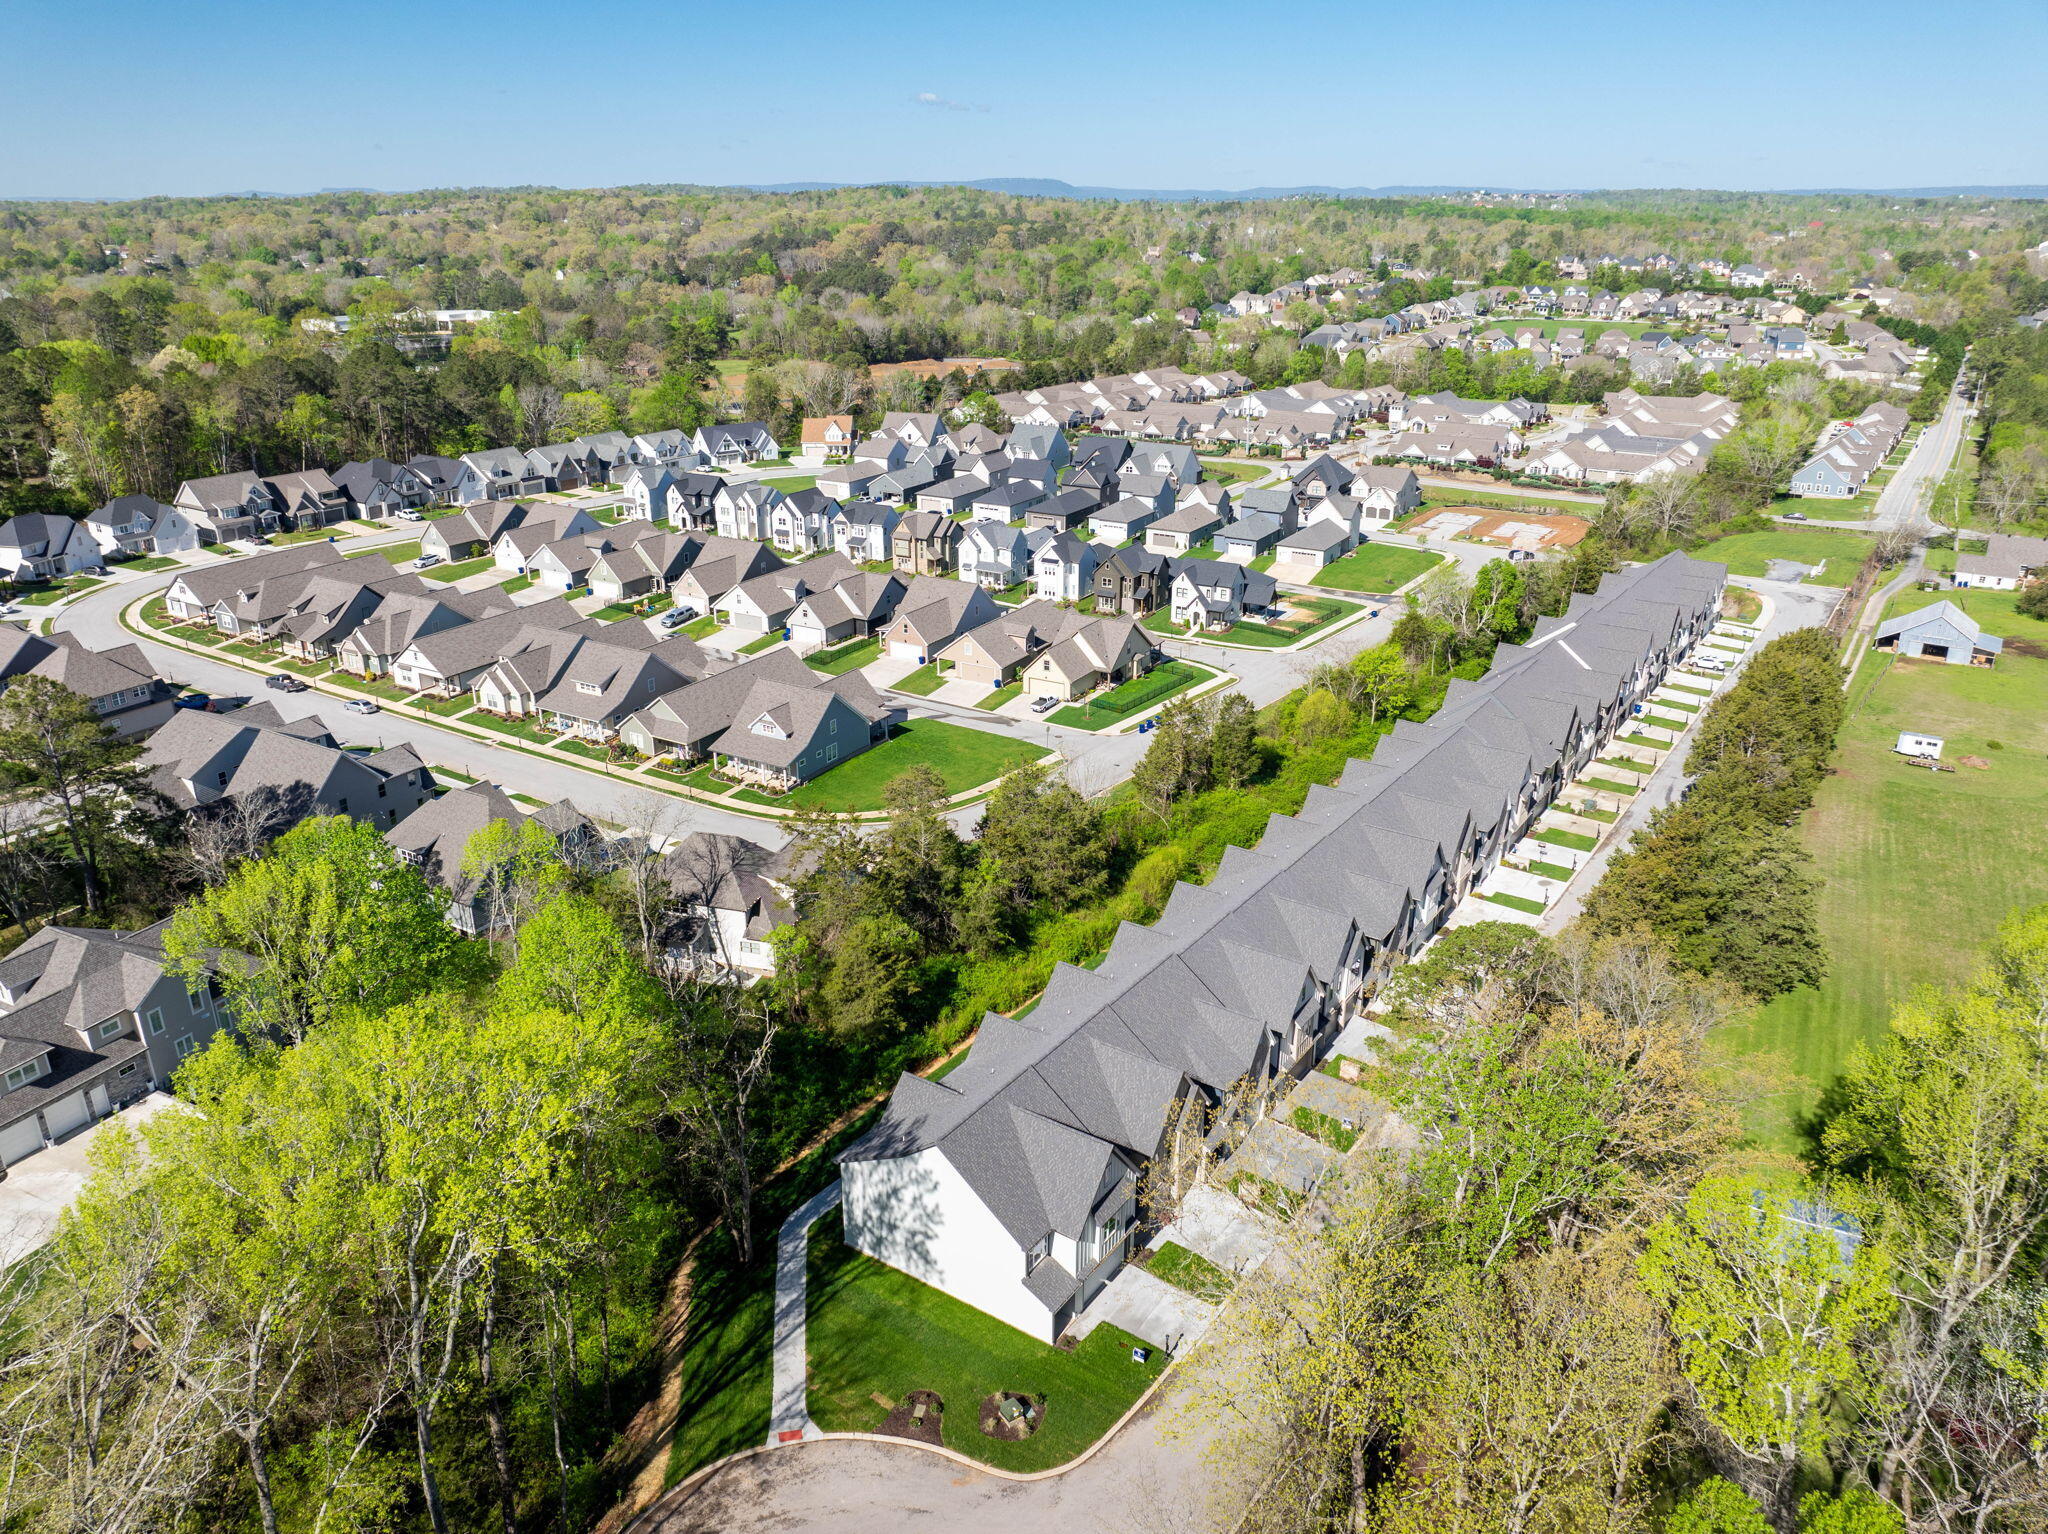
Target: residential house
449,662
925,543
916,429
120,683
951,497
852,608
644,566
862,530
1099,653
1120,522
691,721
1009,501
1250,536
1211,595
284,770
932,612
200,595
995,653
736,443
1132,581
473,531
36,546
517,545
498,474
1943,632
91,1020
1385,493
849,481
995,554
727,896
603,683
381,488
720,565
443,477
435,839
673,449
1012,1183
743,511
800,523
1063,569
763,603
2008,562
826,438
133,525
1318,542
644,492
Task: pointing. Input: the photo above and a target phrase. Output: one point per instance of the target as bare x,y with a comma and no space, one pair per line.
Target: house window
185,1045
107,1029
589,687
196,1000
1040,1250
155,1018
382,791
344,806
126,1070
22,1075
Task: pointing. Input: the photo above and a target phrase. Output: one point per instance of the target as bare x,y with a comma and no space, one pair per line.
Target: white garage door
902,649
20,1140
67,1114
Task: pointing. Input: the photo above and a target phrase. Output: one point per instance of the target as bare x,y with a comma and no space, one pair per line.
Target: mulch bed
994,1426
902,1422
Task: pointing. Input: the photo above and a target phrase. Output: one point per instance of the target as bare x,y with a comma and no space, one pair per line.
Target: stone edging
513,743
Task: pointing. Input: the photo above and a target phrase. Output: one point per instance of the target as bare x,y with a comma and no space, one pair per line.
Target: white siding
917,1214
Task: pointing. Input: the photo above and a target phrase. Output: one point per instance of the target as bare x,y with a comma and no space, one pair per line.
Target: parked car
409,514
426,561
285,684
676,617
1795,516
1044,705
197,700
362,706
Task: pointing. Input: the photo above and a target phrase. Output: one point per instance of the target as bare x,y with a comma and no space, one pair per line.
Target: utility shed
1942,632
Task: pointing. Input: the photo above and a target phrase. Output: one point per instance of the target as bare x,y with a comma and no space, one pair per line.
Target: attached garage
20,1140
67,1114
906,649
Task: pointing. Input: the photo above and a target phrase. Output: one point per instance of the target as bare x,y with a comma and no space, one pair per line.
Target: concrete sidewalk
789,1411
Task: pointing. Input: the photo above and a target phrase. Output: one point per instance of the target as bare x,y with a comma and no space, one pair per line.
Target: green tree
873,976
1773,1320
52,741
920,861
323,919
1234,741
1049,844
1179,762
1321,716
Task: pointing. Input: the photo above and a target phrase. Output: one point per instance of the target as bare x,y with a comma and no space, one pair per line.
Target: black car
286,684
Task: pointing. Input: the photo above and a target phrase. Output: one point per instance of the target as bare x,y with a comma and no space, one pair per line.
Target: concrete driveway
38,1191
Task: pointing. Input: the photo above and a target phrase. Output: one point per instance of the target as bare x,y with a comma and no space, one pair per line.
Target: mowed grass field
1917,868
1751,553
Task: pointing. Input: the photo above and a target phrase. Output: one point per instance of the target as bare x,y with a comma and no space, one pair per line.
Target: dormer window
112,1027
1040,1250
22,1075
590,687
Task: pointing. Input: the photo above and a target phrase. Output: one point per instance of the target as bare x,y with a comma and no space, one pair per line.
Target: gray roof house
1942,632
90,1021
435,837
1213,594
933,611
2008,562
691,719
290,770
1011,1183
36,546
120,683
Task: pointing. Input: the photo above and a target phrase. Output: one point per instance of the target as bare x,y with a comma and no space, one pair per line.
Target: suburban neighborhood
692,844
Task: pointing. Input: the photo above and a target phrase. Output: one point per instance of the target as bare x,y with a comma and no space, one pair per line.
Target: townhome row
1849,452
1012,1183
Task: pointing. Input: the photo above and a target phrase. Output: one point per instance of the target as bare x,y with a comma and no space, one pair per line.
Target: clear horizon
225,96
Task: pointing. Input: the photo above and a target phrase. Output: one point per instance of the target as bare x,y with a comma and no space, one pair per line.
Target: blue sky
133,97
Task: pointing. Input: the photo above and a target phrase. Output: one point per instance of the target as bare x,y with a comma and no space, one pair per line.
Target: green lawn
1916,868
1578,841
727,1363
1133,697
1381,567
397,553
1312,615
148,563
1549,870
1742,606
965,758
1000,696
1516,903
1188,1270
699,628
638,607
1235,473
58,592
1320,1126
460,569
525,729
924,681
842,658
873,1330
1751,553
1607,785
517,583
756,646
791,483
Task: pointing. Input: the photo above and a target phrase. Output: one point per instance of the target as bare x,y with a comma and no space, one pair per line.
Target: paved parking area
1283,1156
